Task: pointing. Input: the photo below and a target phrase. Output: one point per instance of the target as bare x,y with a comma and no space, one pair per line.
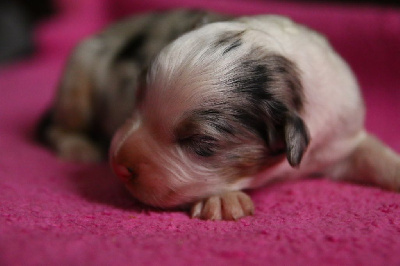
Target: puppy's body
229,106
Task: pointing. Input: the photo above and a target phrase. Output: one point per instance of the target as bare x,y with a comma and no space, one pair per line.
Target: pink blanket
58,213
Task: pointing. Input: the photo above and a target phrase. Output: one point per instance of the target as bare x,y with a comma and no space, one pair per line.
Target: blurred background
17,21
19,18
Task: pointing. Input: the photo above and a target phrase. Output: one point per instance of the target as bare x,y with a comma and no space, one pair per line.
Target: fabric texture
60,213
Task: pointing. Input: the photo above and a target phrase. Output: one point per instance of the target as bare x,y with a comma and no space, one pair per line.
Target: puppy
227,106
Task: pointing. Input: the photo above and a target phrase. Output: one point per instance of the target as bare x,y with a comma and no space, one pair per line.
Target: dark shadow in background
17,20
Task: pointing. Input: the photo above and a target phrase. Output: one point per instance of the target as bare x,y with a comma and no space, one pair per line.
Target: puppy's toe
212,209
236,205
196,209
229,206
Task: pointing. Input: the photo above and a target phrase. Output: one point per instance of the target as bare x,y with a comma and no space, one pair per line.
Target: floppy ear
296,138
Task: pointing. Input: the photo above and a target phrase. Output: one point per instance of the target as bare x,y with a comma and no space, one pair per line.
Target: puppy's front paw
229,206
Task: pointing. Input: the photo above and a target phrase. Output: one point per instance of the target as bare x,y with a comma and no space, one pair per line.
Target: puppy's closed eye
200,144
203,132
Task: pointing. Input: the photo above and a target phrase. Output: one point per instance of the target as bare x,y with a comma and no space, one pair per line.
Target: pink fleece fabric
59,213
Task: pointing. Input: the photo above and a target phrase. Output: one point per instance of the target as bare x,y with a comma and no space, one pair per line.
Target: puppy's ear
297,139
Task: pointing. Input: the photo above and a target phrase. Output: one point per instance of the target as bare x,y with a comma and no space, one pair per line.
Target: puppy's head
217,107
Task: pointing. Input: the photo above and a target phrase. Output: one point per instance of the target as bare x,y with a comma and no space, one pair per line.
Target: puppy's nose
125,173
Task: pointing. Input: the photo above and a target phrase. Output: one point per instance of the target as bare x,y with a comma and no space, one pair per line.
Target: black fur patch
132,48
228,37
252,81
269,91
229,40
288,77
232,46
256,78
251,78
214,118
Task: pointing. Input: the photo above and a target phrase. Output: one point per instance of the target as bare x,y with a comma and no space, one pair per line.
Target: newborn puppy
227,106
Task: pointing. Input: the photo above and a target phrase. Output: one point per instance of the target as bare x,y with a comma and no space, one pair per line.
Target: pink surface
58,213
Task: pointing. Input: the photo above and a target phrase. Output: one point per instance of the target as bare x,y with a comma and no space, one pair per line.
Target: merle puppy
227,106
